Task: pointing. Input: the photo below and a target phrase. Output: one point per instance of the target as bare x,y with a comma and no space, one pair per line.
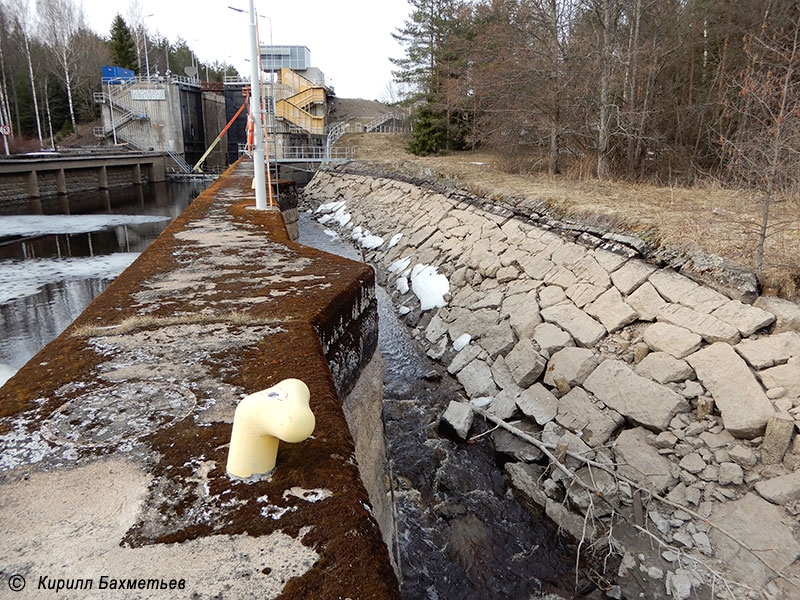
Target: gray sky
350,40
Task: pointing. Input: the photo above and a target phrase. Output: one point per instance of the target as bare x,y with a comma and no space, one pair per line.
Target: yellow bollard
261,419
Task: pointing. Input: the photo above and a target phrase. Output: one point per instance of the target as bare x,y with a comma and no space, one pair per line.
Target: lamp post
146,57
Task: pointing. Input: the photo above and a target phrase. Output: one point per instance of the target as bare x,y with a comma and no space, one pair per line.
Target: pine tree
121,44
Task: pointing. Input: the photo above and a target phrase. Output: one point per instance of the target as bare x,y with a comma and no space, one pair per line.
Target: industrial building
182,116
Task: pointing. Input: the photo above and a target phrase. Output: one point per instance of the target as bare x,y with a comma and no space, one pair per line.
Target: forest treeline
50,65
661,90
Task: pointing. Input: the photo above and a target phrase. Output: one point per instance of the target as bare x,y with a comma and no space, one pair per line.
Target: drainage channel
462,533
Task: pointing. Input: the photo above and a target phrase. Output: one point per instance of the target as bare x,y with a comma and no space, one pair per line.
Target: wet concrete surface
461,532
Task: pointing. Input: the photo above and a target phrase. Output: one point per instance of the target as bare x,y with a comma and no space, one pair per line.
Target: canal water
54,263
462,533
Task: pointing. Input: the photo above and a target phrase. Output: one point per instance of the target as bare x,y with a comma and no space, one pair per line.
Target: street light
146,57
255,113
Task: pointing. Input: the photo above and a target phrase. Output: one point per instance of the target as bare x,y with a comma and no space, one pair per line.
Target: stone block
551,295
610,261
577,412
504,405
744,407
525,362
641,462
514,446
477,379
585,330
463,358
538,403
664,368
787,314
646,301
526,478
777,438
746,318
458,417
631,275
674,340
780,490
783,376
589,270
710,328
473,322
671,285
523,313
611,310
639,399
769,350
583,293
497,339
572,365
551,338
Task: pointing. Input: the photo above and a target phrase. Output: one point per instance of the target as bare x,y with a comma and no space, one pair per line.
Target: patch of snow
402,285
482,401
342,217
314,495
325,218
370,242
20,278
329,207
461,341
395,238
357,233
331,233
276,512
429,286
403,310
400,264
33,225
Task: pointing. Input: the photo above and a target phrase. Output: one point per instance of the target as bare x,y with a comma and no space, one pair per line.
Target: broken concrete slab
744,407
783,376
780,490
514,446
777,438
527,479
551,338
586,331
639,399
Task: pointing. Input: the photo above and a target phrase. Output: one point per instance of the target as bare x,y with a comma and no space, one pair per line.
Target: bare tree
22,20
60,22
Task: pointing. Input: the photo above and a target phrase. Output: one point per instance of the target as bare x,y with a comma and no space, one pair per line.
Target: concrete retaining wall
660,386
128,416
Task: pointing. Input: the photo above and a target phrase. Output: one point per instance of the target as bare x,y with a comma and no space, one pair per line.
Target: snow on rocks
640,369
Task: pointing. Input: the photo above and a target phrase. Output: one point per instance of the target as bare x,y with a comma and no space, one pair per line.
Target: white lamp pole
255,113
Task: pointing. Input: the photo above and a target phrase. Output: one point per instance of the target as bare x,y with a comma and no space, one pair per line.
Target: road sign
5,129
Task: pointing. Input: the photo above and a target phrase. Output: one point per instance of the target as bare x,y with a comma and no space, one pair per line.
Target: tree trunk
33,91
603,133
49,119
68,83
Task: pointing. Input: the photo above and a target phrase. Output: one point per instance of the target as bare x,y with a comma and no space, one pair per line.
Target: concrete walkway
115,436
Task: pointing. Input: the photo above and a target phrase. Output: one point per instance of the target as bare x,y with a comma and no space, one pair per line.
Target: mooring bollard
278,413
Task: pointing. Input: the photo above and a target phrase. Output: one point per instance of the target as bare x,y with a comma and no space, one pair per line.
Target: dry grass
708,216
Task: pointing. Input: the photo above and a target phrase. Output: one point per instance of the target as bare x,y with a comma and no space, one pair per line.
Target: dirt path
718,220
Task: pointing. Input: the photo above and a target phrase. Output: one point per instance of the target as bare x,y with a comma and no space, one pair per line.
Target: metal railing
309,153
182,164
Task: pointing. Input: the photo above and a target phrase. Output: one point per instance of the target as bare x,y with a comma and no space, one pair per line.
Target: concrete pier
115,435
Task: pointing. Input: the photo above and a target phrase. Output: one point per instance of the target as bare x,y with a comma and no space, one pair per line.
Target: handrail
302,118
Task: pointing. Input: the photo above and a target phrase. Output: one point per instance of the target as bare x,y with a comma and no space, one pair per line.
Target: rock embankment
637,407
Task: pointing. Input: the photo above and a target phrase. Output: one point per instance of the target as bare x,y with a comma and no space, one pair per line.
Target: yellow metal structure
305,94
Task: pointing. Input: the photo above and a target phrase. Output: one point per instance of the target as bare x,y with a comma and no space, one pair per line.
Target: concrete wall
128,415
214,121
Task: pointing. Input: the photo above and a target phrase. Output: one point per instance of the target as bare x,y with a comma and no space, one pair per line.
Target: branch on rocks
546,450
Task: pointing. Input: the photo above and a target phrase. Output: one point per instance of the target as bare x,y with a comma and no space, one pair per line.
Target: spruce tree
121,44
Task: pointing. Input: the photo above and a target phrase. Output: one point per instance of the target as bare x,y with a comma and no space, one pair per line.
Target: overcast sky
350,40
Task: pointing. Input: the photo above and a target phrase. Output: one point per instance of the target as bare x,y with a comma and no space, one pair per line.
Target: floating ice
6,373
395,238
429,286
20,278
402,285
34,225
461,341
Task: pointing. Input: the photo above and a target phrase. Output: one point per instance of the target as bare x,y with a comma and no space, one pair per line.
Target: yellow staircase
293,108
